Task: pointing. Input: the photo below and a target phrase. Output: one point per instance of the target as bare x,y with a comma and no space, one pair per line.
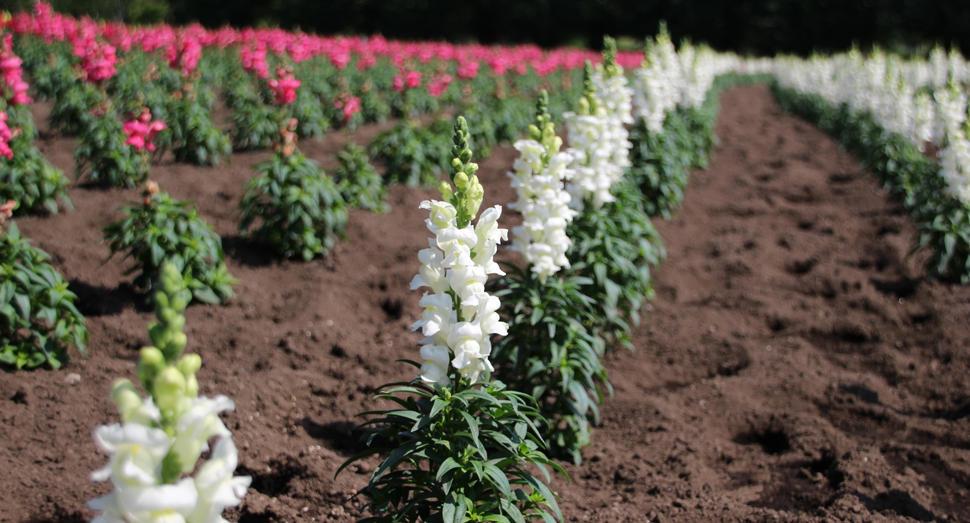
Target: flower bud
189,364
461,181
126,397
534,132
169,389
475,194
446,192
175,346
150,362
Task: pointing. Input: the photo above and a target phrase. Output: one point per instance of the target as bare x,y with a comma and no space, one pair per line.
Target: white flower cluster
139,450
670,79
910,98
616,98
590,149
459,316
544,205
955,156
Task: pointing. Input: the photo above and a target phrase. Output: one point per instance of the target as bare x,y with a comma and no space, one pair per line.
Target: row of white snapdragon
924,101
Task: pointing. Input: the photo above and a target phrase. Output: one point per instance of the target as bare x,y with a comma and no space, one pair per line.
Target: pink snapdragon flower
254,60
142,130
406,80
5,135
350,105
468,70
184,54
98,61
440,85
284,86
10,68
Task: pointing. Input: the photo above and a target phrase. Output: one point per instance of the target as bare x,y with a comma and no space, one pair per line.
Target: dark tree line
746,26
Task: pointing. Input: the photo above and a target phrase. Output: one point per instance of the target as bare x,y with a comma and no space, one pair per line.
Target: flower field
714,303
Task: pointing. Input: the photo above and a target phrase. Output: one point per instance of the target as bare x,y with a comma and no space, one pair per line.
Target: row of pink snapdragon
183,46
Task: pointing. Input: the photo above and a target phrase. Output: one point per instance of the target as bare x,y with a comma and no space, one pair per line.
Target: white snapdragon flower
134,468
544,205
589,141
196,425
136,453
218,489
154,504
459,316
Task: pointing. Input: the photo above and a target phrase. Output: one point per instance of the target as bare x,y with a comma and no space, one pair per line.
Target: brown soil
795,366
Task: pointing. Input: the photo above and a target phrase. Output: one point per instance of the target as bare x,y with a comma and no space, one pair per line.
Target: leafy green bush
301,210
549,354
103,157
615,246
360,185
413,155
164,230
77,108
38,319
195,137
28,178
454,457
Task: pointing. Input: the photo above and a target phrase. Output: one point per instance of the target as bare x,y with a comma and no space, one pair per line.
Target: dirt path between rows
795,366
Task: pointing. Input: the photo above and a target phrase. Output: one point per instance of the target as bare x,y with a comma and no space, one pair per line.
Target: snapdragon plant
360,185
457,444
162,230
162,435
299,210
548,351
38,319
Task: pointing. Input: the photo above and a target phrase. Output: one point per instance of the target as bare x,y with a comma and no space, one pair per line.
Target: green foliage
255,124
549,354
105,159
308,110
360,185
165,230
454,457
32,182
301,210
76,109
49,66
38,319
413,155
615,246
28,178
907,174
195,137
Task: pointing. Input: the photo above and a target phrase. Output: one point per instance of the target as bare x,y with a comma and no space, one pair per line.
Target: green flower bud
461,181
446,192
191,386
475,195
150,362
471,168
189,364
175,346
456,162
534,132
126,397
159,335
179,302
168,389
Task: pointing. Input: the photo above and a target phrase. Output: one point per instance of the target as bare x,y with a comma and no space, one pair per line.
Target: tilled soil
796,365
